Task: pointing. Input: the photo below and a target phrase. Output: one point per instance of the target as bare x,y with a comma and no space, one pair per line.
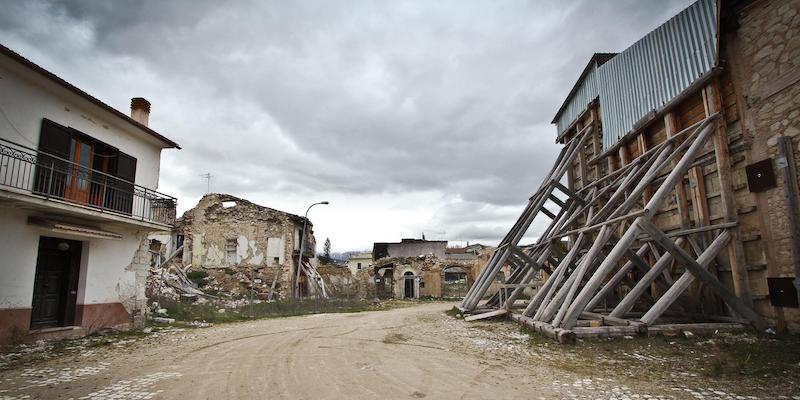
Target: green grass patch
216,313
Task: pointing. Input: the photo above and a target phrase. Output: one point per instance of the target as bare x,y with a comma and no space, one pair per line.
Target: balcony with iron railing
46,176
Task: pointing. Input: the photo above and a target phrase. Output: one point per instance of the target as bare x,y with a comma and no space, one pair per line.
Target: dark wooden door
55,285
409,288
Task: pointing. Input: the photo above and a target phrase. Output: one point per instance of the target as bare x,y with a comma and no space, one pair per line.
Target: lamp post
302,245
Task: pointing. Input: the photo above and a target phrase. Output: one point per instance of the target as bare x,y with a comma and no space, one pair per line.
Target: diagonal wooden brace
697,270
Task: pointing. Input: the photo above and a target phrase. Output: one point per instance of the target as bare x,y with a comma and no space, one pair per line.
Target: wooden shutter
54,139
121,198
126,167
50,172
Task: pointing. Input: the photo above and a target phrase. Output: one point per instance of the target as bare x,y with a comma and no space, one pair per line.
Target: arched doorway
454,282
409,285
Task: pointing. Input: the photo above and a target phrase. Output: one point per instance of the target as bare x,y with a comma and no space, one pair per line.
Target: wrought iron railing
43,174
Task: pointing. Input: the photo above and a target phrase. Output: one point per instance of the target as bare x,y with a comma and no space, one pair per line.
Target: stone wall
224,231
427,271
764,59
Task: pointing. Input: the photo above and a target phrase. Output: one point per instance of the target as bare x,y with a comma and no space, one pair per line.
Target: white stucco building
359,261
78,197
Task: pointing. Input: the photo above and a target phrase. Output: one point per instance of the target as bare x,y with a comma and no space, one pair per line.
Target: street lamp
300,256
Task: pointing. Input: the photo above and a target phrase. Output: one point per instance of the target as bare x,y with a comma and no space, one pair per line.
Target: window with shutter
55,140
120,197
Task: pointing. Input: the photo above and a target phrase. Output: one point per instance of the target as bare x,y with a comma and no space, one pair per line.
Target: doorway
78,179
454,282
408,285
55,287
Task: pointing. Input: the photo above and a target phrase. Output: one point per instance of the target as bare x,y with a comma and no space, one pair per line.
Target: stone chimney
140,110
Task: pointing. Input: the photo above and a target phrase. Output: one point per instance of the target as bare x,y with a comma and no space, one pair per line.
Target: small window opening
230,251
228,204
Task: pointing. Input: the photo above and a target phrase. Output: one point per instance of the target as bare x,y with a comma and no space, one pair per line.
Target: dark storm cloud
350,97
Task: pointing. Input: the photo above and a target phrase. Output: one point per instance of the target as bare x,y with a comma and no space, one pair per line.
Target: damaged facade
681,204
224,234
414,268
78,195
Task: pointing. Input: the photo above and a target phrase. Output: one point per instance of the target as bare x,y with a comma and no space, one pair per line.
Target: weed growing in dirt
394,338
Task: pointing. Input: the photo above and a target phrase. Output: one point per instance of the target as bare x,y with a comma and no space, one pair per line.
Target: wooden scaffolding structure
601,238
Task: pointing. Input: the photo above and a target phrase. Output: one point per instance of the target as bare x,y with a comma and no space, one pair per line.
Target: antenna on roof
207,177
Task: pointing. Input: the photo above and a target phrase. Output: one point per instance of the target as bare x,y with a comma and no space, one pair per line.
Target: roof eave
86,96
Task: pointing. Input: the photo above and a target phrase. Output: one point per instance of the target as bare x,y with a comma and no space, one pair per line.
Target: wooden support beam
699,197
671,125
706,277
582,167
641,287
490,314
736,256
556,200
614,281
609,320
624,156
694,147
569,192
564,336
696,328
598,140
607,331
523,256
642,143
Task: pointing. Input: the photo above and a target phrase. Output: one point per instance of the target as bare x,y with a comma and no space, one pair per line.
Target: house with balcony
78,196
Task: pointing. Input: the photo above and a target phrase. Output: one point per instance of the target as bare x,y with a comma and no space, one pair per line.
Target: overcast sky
408,116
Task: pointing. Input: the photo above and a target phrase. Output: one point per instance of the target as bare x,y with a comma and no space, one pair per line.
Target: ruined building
414,268
679,202
224,234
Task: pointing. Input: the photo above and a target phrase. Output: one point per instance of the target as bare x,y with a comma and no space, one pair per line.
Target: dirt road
414,352
365,355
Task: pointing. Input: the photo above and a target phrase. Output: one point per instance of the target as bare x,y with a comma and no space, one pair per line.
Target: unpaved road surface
414,352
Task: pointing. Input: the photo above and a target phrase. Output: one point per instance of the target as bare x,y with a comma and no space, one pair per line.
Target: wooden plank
490,314
697,328
598,141
606,331
671,126
564,336
642,143
582,167
706,277
624,156
736,256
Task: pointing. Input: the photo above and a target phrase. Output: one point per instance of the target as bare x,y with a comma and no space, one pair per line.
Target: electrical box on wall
760,176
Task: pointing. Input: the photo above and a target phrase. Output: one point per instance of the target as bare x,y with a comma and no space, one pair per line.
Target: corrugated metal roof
649,73
583,93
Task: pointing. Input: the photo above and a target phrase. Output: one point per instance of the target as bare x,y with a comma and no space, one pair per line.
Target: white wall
365,259
19,245
26,98
105,277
